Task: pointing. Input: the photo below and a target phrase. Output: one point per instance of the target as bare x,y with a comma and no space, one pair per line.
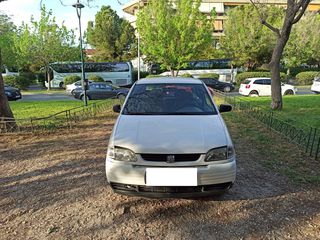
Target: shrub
31,77
71,79
242,76
153,76
95,78
135,75
209,75
186,75
306,78
17,81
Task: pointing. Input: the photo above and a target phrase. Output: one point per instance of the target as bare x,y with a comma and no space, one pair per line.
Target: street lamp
84,83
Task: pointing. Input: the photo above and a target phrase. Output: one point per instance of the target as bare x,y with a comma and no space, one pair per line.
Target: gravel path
53,186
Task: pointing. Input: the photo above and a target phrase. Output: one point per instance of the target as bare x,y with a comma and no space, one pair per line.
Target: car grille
182,189
168,157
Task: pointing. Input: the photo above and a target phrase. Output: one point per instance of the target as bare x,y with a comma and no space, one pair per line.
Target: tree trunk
274,64
5,110
48,77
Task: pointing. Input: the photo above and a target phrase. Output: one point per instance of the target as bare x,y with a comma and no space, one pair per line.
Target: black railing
66,118
307,137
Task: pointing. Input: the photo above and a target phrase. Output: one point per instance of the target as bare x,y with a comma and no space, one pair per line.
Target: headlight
221,153
121,154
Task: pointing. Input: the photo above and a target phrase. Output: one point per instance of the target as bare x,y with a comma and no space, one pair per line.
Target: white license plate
171,177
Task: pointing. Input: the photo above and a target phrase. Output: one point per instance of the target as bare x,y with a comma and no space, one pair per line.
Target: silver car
170,141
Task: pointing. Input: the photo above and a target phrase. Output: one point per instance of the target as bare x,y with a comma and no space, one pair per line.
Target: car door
267,87
107,91
258,85
93,91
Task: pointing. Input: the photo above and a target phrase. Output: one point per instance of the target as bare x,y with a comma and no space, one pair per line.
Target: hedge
209,75
71,79
188,75
306,78
242,76
135,75
95,78
154,76
17,81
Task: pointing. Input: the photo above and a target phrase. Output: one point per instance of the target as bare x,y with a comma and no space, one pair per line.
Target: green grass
272,150
298,110
33,109
41,109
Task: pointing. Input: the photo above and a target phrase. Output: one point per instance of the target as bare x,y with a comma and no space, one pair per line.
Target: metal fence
66,118
307,137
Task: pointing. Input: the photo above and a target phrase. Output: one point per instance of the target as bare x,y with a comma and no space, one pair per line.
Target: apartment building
221,7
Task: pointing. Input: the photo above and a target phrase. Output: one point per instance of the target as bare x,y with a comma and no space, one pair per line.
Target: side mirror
117,108
225,108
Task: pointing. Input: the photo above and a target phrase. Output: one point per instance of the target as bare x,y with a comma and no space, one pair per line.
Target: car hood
170,134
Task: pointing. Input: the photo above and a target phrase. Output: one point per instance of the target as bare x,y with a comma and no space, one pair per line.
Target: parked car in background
262,87
101,90
315,87
170,141
12,93
71,87
216,84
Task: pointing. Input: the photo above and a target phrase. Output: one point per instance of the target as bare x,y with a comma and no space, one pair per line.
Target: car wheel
253,94
227,89
121,96
289,92
61,85
82,98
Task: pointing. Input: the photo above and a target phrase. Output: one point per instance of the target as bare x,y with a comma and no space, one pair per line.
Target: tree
303,45
174,32
112,37
246,41
6,28
44,42
294,11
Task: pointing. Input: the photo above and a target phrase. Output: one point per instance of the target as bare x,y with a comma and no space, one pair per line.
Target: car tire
227,89
254,93
82,98
289,92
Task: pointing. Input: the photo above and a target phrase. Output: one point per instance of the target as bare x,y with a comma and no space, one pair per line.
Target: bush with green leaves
17,81
142,75
209,75
243,76
306,78
186,75
71,79
95,78
153,76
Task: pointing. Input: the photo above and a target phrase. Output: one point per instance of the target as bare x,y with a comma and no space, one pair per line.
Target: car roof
257,78
156,80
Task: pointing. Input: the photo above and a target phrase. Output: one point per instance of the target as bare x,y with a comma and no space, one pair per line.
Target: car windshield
169,99
247,81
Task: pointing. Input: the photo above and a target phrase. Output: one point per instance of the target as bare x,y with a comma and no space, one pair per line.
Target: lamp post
84,84
138,45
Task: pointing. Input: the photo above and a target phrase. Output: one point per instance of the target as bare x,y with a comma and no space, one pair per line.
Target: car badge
170,159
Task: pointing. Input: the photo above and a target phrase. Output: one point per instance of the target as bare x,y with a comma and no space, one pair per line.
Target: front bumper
130,179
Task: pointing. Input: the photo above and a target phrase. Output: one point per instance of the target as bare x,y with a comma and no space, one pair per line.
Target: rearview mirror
117,108
225,108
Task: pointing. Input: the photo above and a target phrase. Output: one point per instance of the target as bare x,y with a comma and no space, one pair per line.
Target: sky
21,10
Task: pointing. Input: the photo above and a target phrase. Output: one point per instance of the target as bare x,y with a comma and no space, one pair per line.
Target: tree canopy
174,32
43,42
246,40
112,37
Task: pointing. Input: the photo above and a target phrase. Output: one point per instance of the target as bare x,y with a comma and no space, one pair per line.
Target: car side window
267,82
94,86
259,81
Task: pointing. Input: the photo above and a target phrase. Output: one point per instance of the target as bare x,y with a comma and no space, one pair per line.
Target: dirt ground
53,186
